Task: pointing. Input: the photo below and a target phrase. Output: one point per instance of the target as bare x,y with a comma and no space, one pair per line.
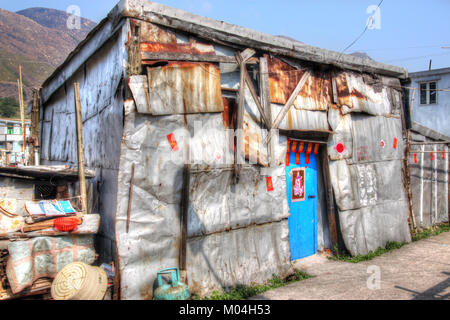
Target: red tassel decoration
297,158
316,148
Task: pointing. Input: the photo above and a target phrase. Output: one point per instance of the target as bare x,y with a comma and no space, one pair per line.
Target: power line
362,33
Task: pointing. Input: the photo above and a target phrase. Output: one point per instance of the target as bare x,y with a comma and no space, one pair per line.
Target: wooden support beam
80,148
264,92
250,86
334,88
130,197
150,57
35,124
329,195
134,51
291,99
184,219
241,58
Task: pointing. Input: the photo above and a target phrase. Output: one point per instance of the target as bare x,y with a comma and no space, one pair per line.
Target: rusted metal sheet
153,33
316,94
361,93
184,87
191,47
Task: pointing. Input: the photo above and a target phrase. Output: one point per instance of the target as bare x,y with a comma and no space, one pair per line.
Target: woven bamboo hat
79,281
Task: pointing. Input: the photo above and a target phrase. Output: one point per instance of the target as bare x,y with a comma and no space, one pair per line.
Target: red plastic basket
66,224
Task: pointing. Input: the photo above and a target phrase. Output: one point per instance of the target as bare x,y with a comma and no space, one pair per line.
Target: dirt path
420,270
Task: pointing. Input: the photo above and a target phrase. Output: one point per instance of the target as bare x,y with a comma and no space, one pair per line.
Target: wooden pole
130,197
80,148
33,157
184,218
22,115
408,168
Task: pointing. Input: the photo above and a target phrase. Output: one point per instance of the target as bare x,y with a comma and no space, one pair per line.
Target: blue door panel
303,214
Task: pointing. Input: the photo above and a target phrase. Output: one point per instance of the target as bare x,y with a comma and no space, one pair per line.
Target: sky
405,33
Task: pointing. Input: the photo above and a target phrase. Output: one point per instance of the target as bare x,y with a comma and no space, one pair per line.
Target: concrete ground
420,270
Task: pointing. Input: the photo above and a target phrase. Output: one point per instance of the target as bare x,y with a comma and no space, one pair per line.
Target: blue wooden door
302,199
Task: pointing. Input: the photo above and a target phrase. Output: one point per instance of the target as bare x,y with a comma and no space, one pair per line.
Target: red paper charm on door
301,147
172,141
307,158
294,146
288,146
297,158
310,145
415,158
269,183
287,159
443,154
431,155
316,148
395,143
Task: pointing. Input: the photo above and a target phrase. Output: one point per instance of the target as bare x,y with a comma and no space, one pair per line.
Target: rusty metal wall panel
183,87
243,256
283,78
363,94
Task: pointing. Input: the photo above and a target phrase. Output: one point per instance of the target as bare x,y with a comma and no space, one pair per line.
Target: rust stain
197,83
153,33
146,292
343,90
283,79
190,48
357,94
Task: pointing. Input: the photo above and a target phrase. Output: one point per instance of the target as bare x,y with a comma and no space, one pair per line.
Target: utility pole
22,115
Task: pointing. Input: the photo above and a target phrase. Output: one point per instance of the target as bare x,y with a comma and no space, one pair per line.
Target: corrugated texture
429,184
216,206
297,119
184,87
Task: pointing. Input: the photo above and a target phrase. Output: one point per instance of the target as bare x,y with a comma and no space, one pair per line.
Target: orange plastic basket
66,224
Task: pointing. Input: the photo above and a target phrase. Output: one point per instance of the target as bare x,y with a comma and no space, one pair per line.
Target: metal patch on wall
367,181
298,184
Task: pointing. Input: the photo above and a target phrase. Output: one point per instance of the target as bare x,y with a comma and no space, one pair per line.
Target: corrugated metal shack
163,92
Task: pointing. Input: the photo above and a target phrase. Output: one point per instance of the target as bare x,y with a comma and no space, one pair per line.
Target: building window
428,93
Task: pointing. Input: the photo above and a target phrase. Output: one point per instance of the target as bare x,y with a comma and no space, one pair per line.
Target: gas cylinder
174,290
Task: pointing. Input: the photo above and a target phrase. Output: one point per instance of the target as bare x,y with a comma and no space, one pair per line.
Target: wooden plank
238,161
172,56
329,196
90,225
334,88
35,124
134,51
80,148
130,196
256,98
184,219
22,116
291,99
264,92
